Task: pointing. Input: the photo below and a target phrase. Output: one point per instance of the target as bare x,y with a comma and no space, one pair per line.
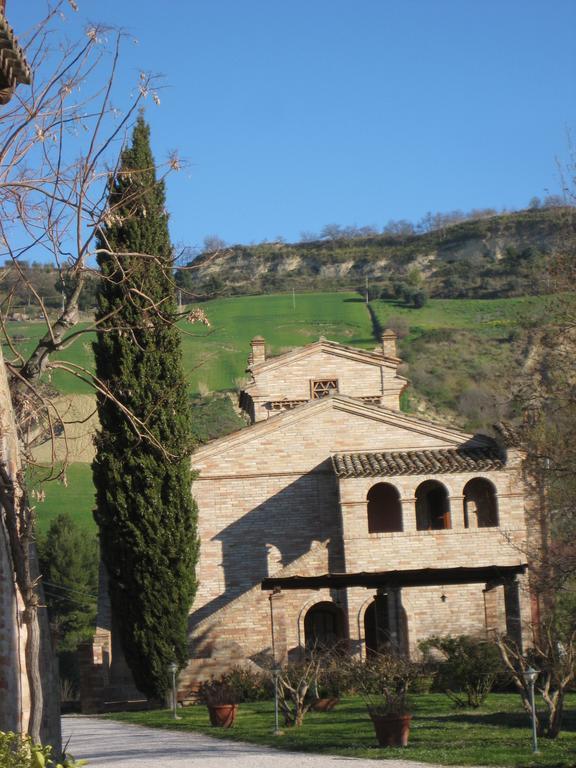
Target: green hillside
499,255
215,357
460,357
75,497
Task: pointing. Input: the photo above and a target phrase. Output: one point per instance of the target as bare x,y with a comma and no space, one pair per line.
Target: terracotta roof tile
424,462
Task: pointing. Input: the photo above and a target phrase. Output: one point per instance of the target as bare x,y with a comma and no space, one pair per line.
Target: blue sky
294,114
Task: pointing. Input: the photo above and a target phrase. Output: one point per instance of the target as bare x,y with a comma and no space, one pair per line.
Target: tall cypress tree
144,508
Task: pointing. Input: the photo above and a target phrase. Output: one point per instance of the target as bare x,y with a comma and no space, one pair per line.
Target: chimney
258,350
389,343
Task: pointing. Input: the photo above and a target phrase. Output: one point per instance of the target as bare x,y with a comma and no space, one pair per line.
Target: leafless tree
59,144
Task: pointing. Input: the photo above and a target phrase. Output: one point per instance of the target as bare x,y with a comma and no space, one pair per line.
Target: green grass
498,734
215,358
76,498
482,315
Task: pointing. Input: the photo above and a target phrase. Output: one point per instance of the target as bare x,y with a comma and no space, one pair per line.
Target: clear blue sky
298,113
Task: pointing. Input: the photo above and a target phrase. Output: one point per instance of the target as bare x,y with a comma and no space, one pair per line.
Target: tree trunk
42,715
33,671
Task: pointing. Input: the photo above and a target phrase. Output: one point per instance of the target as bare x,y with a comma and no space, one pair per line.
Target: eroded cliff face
346,262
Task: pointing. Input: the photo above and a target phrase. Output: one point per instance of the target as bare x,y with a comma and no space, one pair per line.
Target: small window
324,388
432,507
384,509
480,504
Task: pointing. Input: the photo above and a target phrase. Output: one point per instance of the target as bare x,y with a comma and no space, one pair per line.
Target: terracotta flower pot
222,715
391,730
324,705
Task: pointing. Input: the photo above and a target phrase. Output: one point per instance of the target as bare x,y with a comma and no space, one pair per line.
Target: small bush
220,690
251,684
469,669
18,751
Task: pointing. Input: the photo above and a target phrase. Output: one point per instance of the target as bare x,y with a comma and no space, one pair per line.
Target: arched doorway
384,509
432,507
324,625
376,626
480,504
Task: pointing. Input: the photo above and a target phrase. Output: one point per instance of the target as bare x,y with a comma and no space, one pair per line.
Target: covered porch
385,623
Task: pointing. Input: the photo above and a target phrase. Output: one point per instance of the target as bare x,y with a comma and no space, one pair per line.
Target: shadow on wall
287,523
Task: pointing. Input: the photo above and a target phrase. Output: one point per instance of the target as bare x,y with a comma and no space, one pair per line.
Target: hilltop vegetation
498,256
460,356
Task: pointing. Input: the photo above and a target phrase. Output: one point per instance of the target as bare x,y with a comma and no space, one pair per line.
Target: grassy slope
497,734
464,355
452,346
488,316
76,498
215,357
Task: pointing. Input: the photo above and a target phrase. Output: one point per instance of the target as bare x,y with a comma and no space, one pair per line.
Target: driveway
107,744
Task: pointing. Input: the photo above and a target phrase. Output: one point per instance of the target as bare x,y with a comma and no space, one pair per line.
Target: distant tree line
19,281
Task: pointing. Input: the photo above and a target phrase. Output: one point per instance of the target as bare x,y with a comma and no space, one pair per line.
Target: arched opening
432,507
324,625
384,509
376,629
480,504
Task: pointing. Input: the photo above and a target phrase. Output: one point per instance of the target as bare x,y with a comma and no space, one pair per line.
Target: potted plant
383,682
221,695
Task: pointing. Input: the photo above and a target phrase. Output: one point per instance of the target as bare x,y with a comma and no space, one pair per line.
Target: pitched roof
424,462
375,357
350,405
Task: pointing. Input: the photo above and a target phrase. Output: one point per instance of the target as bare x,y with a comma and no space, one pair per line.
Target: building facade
330,477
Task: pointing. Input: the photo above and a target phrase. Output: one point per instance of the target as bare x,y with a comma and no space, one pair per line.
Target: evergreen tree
144,509
69,567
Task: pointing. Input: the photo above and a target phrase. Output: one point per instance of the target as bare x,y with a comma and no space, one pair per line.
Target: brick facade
270,503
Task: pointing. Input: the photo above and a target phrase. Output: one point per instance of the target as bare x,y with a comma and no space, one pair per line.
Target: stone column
408,514
456,511
512,607
394,623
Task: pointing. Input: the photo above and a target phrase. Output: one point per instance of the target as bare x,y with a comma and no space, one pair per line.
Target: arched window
324,625
480,504
432,507
384,509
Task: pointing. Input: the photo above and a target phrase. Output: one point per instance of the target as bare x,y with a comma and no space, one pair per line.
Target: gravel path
108,744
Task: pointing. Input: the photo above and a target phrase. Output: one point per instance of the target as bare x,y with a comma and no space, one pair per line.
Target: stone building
333,514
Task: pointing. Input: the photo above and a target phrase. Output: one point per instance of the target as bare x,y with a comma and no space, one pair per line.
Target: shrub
383,682
226,689
297,682
468,670
399,325
251,684
18,751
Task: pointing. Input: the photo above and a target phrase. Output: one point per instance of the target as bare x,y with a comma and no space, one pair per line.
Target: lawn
498,734
76,497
